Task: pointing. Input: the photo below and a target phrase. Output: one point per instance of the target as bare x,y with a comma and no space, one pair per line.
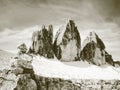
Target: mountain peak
92,34
70,25
42,41
66,38
71,22
93,37
43,27
93,50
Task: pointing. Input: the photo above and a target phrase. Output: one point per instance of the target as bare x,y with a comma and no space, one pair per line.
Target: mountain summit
93,50
67,43
67,47
42,42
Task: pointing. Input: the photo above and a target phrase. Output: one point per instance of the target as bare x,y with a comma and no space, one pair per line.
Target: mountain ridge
68,39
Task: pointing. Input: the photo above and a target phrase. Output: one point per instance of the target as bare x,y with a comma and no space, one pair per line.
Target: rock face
18,77
47,83
90,84
22,48
108,59
67,42
42,42
93,50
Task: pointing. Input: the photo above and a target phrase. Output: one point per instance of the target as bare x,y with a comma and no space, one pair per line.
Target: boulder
18,77
21,66
22,49
9,81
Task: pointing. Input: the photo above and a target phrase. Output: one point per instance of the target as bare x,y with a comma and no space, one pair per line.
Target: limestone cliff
67,42
93,50
42,41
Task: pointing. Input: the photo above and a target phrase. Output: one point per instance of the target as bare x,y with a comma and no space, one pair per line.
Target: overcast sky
19,18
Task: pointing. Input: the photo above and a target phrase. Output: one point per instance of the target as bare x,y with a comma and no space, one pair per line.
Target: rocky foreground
21,77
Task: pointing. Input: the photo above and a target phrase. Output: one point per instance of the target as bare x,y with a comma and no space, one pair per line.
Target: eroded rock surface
67,42
93,50
19,77
42,42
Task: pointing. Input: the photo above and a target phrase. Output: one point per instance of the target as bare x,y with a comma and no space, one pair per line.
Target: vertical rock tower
93,50
42,42
67,42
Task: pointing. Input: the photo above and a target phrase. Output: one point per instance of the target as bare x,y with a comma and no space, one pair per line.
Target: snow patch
55,68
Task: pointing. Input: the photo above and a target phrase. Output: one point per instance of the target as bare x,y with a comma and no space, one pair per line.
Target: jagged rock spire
42,42
67,45
50,33
93,37
67,42
93,50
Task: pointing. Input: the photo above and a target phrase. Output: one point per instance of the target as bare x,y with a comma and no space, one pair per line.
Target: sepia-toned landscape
59,45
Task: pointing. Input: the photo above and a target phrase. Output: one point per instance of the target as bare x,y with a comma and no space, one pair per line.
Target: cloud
24,13
19,18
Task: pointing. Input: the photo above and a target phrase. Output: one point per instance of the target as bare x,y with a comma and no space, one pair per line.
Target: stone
23,64
22,49
17,70
8,81
25,82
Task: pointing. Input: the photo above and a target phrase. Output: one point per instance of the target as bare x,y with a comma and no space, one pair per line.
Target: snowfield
5,59
73,70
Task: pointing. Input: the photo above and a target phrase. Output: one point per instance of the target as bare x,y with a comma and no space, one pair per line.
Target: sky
19,18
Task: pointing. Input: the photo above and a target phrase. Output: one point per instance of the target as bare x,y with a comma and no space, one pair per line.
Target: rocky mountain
67,45
42,42
67,42
93,50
